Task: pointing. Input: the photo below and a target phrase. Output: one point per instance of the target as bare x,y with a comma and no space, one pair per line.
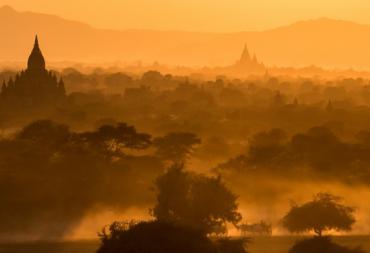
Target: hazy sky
197,15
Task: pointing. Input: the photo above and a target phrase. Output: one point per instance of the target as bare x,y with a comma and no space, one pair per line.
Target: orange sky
197,15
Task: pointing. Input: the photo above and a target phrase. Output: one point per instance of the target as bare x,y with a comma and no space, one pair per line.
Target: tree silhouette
176,147
54,175
45,133
152,77
113,138
323,213
195,200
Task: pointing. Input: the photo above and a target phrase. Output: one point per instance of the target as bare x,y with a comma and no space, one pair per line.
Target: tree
324,212
45,133
195,200
118,79
65,173
151,77
113,138
176,147
268,144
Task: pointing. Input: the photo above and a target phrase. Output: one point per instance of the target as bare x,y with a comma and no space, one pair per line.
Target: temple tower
36,60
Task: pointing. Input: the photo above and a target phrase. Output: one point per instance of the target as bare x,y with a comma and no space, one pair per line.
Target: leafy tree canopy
176,147
195,200
324,212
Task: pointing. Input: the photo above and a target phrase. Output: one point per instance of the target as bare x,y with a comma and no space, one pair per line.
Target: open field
281,244
278,244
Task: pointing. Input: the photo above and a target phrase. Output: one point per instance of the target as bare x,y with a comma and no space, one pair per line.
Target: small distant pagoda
35,85
248,64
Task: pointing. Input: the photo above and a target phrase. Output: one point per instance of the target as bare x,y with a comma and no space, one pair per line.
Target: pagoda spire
36,59
255,60
36,42
245,55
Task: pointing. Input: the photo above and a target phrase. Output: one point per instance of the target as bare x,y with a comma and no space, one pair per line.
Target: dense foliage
195,200
163,237
54,176
321,214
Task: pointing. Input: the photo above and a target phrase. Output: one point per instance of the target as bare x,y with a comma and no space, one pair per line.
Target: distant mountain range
322,42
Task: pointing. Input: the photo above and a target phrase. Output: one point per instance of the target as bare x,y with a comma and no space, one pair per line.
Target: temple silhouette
35,85
249,64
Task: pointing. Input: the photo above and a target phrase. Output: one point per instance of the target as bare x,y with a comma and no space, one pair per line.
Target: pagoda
248,64
35,85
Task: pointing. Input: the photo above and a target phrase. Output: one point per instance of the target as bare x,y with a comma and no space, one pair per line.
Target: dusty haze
202,15
273,106
322,42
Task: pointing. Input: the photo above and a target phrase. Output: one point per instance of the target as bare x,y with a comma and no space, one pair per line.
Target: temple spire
36,42
245,55
36,59
255,60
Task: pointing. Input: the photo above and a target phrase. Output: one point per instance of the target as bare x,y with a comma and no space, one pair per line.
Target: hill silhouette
322,42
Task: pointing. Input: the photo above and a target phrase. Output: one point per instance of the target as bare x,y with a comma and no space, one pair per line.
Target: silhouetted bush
155,237
164,237
321,245
227,245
